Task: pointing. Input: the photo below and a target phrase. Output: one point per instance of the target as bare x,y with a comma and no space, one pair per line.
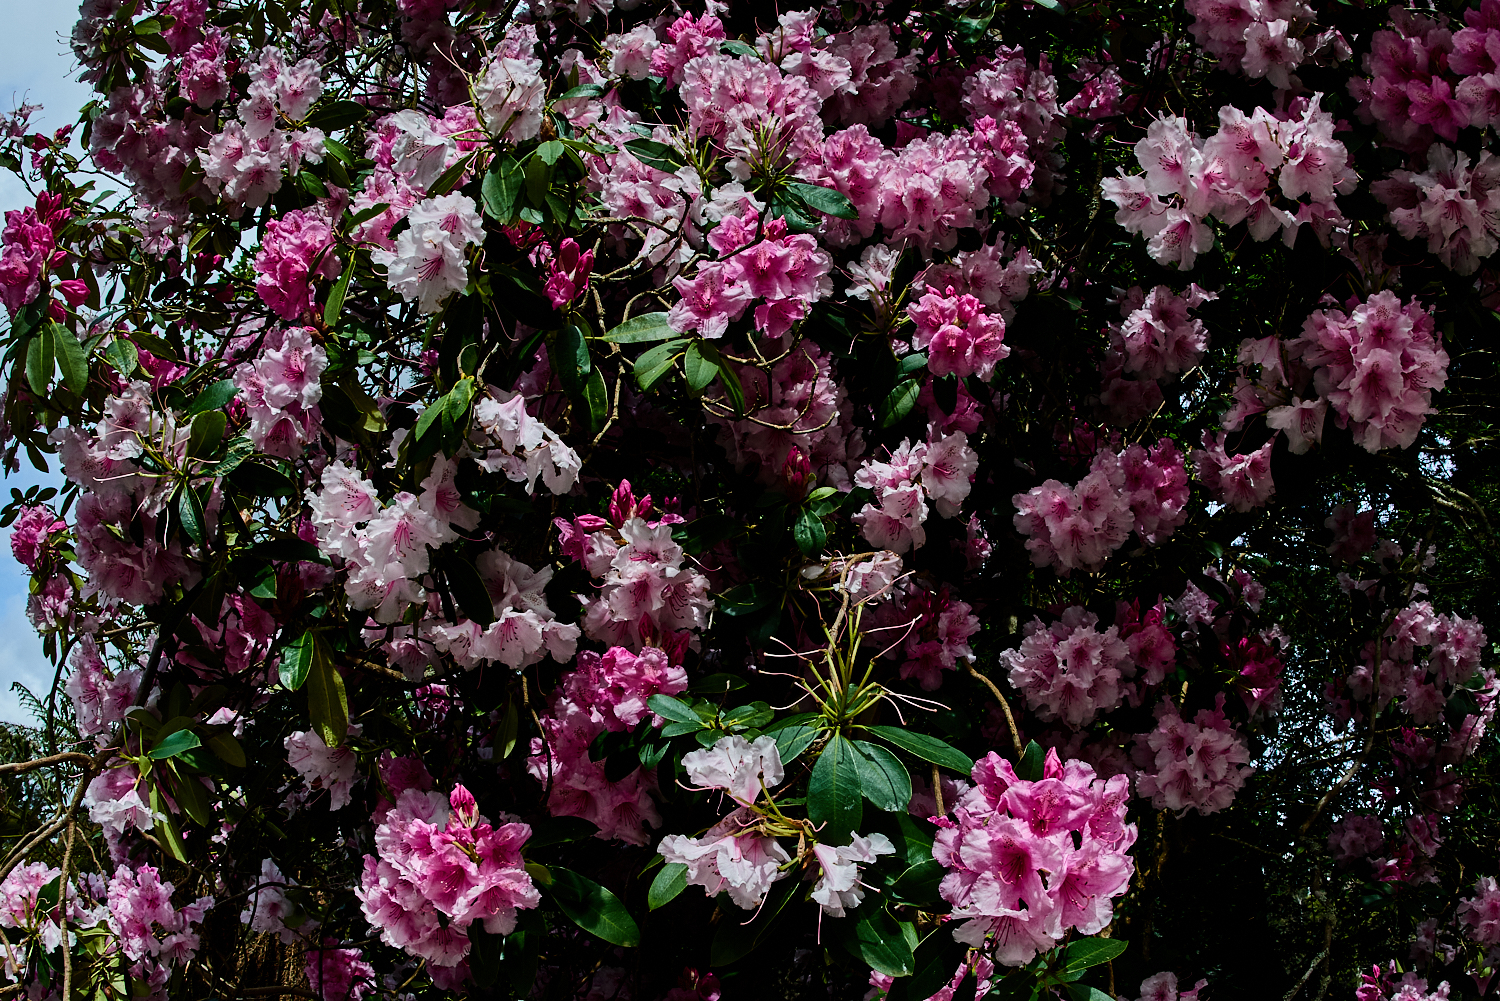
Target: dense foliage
606,500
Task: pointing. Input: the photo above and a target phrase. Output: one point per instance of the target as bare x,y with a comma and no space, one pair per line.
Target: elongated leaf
40,361
673,709
572,362
596,394
1033,762
174,744
824,200
469,590
1087,952
808,532
919,883
296,662
336,115
192,798
652,366
123,355
1083,992
884,779
485,950
365,215
207,431
655,154
879,941
582,90
898,402
593,908
669,882
733,391
641,329
71,360
327,705
791,741
213,397
549,152
927,748
700,365
227,748
833,792
335,304
190,510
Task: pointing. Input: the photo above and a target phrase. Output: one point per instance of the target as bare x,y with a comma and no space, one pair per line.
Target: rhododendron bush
628,500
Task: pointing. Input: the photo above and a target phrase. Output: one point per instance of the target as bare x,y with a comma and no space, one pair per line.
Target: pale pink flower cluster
441,867
135,137
1156,342
330,769
100,699
115,802
934,627
838,889
1240,481
1198,765
1453,205
1070,670
202,71
1031,861
810,417
1480,914
1355,837
687,38
787,273
519,445
1163,987
411,150
1141,490
761,117
857,73
961,337
153,933
524,630
740,767
1428,80
940,469
242,635
605,692
1229,177
731,857
1376,367
1102,94
1007,88
243,163
1424,683
281,390
338,974
296,249
510,92
1262,38
267,908
429,260
979,273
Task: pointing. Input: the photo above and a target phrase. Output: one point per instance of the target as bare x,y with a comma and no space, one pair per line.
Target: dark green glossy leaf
824,200
1033,761
669,882
808,532
791,741
174,744
593,908
327,705
215,396
641,329
655,154
879,941
296,662
335,304
673,709
71,360
833,792
206,433
335,115
898,403
700,365
1087,952
882,777
652,367
469,590
927,748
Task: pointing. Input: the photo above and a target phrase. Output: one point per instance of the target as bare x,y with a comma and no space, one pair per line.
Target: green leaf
735,47
550,151
879,941
700,365
327,705
70,359
40,361
571,358
174,744
673,709
791,741
227,749
884,779
337,115
469,590
919,883
640,329
335,304
215,396
596,394
808,532
365,215
448,179
916,838
190,510
898,403
593,908
733,391
124,355
1033,761
485,952
1082,992
833,792
296,662
655,154
207,431
582,90
1087,952
500,188
824,200
668,883
925,747
652,366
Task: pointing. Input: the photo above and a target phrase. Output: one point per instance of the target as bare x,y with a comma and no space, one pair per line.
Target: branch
1010,721
16,767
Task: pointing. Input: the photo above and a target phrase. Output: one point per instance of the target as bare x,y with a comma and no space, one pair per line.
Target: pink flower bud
465,810
73,290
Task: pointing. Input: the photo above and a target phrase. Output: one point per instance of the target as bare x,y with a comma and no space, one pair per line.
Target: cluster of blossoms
351,376
441,867
938,470
1140,490
603,694
1030,861
1228,177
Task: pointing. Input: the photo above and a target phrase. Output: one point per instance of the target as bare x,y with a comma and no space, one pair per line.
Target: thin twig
1010,721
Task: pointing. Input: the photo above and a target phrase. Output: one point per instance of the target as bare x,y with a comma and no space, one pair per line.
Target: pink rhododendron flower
1201,764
